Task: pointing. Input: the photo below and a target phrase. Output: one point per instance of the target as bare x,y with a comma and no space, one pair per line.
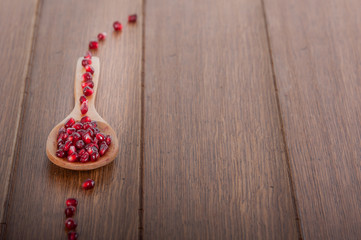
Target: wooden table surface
237,119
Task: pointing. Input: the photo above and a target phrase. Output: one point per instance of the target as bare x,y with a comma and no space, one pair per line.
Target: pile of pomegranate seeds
82,141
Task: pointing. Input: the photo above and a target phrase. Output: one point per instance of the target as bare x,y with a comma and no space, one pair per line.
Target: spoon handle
78,90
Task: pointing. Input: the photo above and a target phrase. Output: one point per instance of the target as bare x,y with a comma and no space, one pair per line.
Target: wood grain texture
316,53
16,23
110,210
214,160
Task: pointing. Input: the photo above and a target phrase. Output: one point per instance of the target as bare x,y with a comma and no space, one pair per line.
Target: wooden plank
316,53
17,19
110,211
214,159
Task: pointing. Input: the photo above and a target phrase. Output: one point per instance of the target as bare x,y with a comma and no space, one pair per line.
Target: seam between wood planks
289,169
20,115
142,143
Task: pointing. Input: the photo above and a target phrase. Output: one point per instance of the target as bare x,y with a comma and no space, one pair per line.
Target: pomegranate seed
71,202
76,136
70,130
70,138
86,61
103,148
101,36
108,140
117,26
93,45
60,153
71,150
70,211
82,99
91,133
84,108
72,235
69,123
84,157
88,91
85,119
78,126
89,69
100,136
79,144
81,132
60,144
62,130
89,83
88,184
65,136
67,145
73,157
132,18
87,77
94,123
94,156
81,152
88,55
96,130
87,138
70,224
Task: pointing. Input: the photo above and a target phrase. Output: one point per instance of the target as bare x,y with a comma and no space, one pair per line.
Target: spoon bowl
104,127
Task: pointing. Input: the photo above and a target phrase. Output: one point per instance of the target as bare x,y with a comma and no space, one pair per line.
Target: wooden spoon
51,143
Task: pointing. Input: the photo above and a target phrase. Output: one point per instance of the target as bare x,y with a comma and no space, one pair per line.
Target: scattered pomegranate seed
69,123
108,140
89,83
71,202
70,224
84,157
82,99
87,76
85,119
88,184
132,18
101,36
73,157
79,144
117,26
70,211
88,55
86,61
84,107
89,69
72,235
103,148
88,91
93,45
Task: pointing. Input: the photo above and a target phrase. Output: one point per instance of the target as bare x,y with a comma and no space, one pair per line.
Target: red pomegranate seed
132,18
101,36
88,55
60,153
78,126
81,152
72,235
91,133
65,137
70,138
60,144
108,140
87,138
117,26
87,76
84,157
84,108
76,136
86,61
88,184
100,136
70,224
94,156
103,148
82,99
73,157
69,123
93,45
71,202
70,130
70,211
85,119
71,150
89,69
88,91
67,145
62,130
79,144
89,83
